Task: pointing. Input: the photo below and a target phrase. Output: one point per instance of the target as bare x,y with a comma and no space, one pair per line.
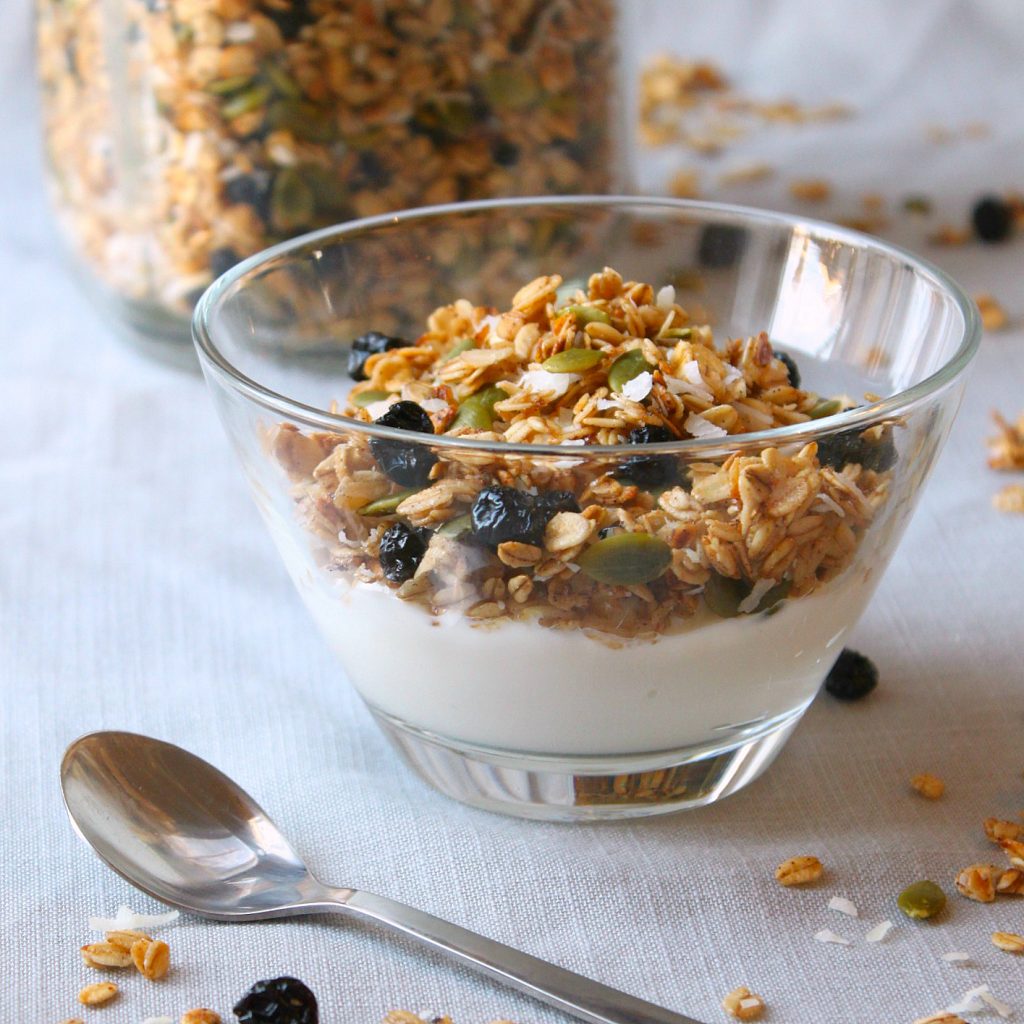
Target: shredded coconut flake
637,389
433,405
957,956
879,932
127,919
730,374
700,427
1003,1009
666,297
749,1003
240,32
604,404
840,903
543,382
829,936
750,602
679,386
570,442
832,505
970,1001
377,409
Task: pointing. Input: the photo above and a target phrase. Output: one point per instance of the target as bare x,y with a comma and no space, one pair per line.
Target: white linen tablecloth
139,590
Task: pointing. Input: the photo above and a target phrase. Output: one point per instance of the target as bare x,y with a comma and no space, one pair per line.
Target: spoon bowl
184,833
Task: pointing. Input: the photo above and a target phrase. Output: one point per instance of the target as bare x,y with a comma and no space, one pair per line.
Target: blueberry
505,153
369,344
790,363
406,464
852,676
252,190
401,550
506,513
552,502
992,219
278,1001
851,446
648,471
290,18
222,260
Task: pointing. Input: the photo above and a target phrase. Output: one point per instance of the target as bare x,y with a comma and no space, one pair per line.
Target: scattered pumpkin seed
921,900
629,365
457,527
386,505
462,345
825,407
573,360
477,411
626,558
588,314
245,102
291,201
365,398
510,88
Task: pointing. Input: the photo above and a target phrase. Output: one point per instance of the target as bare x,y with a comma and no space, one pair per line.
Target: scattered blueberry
406,464
790,363
992,219
852,446
401,550
852,676
277,1001
370,344
506,513
648,471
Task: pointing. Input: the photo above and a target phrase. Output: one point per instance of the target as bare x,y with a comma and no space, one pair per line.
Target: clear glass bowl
654,647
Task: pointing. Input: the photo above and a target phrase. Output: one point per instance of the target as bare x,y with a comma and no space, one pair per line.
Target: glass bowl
574,629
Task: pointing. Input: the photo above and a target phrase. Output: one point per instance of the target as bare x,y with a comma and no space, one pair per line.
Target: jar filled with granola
185,135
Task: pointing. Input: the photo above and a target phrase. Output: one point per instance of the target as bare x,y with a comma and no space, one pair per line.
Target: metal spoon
183,832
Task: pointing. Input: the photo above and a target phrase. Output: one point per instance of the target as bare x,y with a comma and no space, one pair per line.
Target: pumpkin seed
510,88
678,333
365,398
724,595
457,527
825,407
477,411
921,900
305,121
573,360
588,314
282,81
626,558
245,102
387,505
291,201
629,365
226,86
462,345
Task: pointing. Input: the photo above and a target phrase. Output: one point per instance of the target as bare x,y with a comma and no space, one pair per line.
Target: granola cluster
627,545
183,135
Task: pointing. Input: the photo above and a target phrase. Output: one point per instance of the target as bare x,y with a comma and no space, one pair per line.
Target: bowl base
587,789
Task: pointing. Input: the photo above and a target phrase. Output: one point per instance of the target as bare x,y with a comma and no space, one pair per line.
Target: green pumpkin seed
305,121
573,360
624,559
724,595
457,527
678,333
825,407
330,194
771,600
477,411
245,102
282,82
921,900
365,398
292,204
462,345
629,365
588,314
387,505
226,86
510,88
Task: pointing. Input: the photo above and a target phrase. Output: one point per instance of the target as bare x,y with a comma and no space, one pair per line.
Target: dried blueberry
852,676
222,260
252,190
277,1001
648,471
790,363
406,464
291,17
864,449
506,513
369,344
992,219
401,550
505,153
552,502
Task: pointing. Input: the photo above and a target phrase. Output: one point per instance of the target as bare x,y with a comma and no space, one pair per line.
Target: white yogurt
521,687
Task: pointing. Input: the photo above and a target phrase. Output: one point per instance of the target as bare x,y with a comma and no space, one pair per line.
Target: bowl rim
861,417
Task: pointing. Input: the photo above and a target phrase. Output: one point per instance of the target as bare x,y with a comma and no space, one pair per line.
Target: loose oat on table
743,1004
98,994
799,871
942,1017
200,1015
1014,849
1011,883
1011,942
152,958
993,316
810,190
929,786
105,955
999,828
1006,449
978,882
613,362
1009,499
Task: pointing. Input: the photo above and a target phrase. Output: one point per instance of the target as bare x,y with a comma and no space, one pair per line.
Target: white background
138,590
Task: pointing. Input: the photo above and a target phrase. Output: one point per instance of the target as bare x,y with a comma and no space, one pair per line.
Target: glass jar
184,135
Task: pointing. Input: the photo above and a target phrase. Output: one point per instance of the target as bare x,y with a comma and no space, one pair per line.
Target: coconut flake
637,389
603,404
840,903
666,297
377,409
433,405
879,932
749,1003
700,427
158,1020
679,386
127,919
543,382
829,936
752,600
957,956
730,374
1003,1009
240,32
831,504
970,1001
572,442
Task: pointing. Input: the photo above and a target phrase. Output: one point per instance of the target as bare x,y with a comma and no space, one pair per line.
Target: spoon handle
580,997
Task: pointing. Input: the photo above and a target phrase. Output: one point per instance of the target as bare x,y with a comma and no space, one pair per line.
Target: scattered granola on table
1009,499
799,871
993,316
929,786
743,1004
1006,449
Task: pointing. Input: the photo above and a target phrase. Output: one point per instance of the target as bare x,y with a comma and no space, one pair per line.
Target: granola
626,546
